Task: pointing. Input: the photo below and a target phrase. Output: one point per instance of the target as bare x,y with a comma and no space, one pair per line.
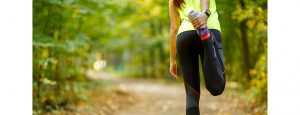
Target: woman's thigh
188,58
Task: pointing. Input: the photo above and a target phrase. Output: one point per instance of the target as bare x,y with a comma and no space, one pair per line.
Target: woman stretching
189,45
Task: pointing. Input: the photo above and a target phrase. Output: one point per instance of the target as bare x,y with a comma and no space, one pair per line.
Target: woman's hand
201,21
173,69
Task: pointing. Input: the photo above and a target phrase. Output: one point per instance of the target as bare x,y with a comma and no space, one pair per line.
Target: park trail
129,96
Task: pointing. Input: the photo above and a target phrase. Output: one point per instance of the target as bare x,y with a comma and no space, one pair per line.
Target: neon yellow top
186,25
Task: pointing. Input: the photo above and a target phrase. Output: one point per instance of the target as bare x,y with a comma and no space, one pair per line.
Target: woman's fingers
174,74
198,23
203,26
195,22
203,23
173,70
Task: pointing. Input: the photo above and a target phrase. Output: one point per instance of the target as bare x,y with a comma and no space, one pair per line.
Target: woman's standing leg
189,63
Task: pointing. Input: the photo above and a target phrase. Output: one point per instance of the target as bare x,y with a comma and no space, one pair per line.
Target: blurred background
112,57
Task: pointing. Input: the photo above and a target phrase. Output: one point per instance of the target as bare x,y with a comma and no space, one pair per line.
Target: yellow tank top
186,25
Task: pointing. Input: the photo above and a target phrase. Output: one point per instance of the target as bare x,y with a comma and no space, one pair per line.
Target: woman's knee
216,90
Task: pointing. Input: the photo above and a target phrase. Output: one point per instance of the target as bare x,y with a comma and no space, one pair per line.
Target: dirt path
147,97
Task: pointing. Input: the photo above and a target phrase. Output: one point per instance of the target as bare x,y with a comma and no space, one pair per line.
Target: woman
189,46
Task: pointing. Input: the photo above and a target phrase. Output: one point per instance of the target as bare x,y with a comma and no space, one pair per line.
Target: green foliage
60,53
257,94
254,15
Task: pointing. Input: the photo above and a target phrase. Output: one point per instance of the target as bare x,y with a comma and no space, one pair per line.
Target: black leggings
189,46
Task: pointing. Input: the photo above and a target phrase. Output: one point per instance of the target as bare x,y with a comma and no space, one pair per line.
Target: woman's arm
205,4
175,23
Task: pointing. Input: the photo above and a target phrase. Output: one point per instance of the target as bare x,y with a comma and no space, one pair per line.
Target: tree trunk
243,28
162,58
152,63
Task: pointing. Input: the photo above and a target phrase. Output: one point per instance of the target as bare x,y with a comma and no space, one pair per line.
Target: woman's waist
187,25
